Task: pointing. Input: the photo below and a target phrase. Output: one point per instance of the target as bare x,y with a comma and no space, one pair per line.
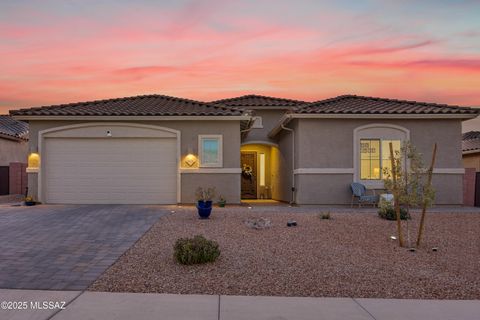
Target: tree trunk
424,208
396,197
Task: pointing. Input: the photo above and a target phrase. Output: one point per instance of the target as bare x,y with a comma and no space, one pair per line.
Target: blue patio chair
359,191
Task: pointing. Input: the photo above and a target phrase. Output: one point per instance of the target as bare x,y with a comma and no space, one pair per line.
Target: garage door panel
130,171
114,172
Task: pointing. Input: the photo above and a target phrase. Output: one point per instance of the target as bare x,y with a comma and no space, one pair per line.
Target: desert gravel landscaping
350,255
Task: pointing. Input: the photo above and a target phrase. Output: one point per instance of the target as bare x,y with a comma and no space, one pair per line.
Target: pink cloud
470,65
197,52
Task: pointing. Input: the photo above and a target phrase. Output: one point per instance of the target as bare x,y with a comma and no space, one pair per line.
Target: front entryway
261,171
249,174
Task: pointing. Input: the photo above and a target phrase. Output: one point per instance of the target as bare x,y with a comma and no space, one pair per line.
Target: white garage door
110,170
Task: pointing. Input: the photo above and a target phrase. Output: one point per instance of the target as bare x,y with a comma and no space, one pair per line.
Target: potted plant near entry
204,201
29,201
222,202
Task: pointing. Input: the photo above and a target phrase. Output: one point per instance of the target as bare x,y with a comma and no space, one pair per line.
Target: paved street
59,247
125,306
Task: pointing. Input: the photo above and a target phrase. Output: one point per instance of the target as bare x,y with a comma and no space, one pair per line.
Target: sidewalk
101,305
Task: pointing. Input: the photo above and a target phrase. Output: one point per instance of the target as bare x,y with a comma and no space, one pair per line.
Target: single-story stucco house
13,153
471,150
156,149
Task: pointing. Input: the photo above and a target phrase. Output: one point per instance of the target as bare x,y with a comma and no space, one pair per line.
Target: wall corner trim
448,170
324,171
210,170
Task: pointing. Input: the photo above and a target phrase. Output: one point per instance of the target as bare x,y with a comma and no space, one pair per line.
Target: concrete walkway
101,305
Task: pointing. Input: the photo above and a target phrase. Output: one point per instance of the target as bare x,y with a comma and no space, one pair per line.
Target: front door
249,175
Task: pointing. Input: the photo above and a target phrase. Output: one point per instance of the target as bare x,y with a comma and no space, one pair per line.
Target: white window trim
257,123
373,184
219,162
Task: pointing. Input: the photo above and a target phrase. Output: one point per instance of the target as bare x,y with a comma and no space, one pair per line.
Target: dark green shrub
390,214
325,215
195,250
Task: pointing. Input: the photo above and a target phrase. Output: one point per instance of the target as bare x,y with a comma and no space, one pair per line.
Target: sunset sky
66,51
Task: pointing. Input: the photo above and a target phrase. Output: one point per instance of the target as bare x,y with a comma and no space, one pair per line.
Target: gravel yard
348,256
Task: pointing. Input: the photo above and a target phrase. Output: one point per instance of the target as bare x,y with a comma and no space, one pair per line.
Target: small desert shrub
195,250
388,212
324,215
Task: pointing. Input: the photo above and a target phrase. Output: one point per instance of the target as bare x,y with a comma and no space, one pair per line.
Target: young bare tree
409,183
392,185
427,201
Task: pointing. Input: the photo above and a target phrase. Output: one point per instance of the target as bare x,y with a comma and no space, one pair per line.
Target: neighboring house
471,163
158,149
13,150
471,150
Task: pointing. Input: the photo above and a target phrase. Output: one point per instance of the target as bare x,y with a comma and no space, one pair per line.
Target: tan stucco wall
472,161
189,142
323,189
328,143
12,151
227,185
270,119
282,184
335,189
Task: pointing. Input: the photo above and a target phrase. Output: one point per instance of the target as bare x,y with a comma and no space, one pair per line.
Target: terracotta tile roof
253,100
146,105
352,104
13,128
471,141
471,145
471,135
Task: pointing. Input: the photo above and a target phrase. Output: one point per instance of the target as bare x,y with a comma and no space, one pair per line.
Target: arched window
372,151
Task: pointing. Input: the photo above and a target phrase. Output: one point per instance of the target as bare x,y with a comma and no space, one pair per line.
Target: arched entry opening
260,170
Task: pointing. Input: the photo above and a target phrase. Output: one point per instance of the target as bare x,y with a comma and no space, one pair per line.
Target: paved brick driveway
67,247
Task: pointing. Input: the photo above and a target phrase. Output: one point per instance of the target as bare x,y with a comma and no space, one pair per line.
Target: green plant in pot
204,198
222,202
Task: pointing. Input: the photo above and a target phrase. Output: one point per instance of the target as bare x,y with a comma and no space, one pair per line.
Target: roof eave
383,116
288,117
12,138
284,120
470,151
129,118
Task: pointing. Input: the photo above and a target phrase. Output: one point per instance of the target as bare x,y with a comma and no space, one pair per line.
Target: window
210,150
375,157
257,123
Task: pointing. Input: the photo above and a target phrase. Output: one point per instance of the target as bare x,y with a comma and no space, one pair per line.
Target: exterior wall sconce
33,162
190,160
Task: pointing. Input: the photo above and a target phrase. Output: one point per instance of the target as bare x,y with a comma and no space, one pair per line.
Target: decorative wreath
247,171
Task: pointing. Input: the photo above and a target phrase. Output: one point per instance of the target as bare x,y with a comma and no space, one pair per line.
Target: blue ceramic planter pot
204,209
